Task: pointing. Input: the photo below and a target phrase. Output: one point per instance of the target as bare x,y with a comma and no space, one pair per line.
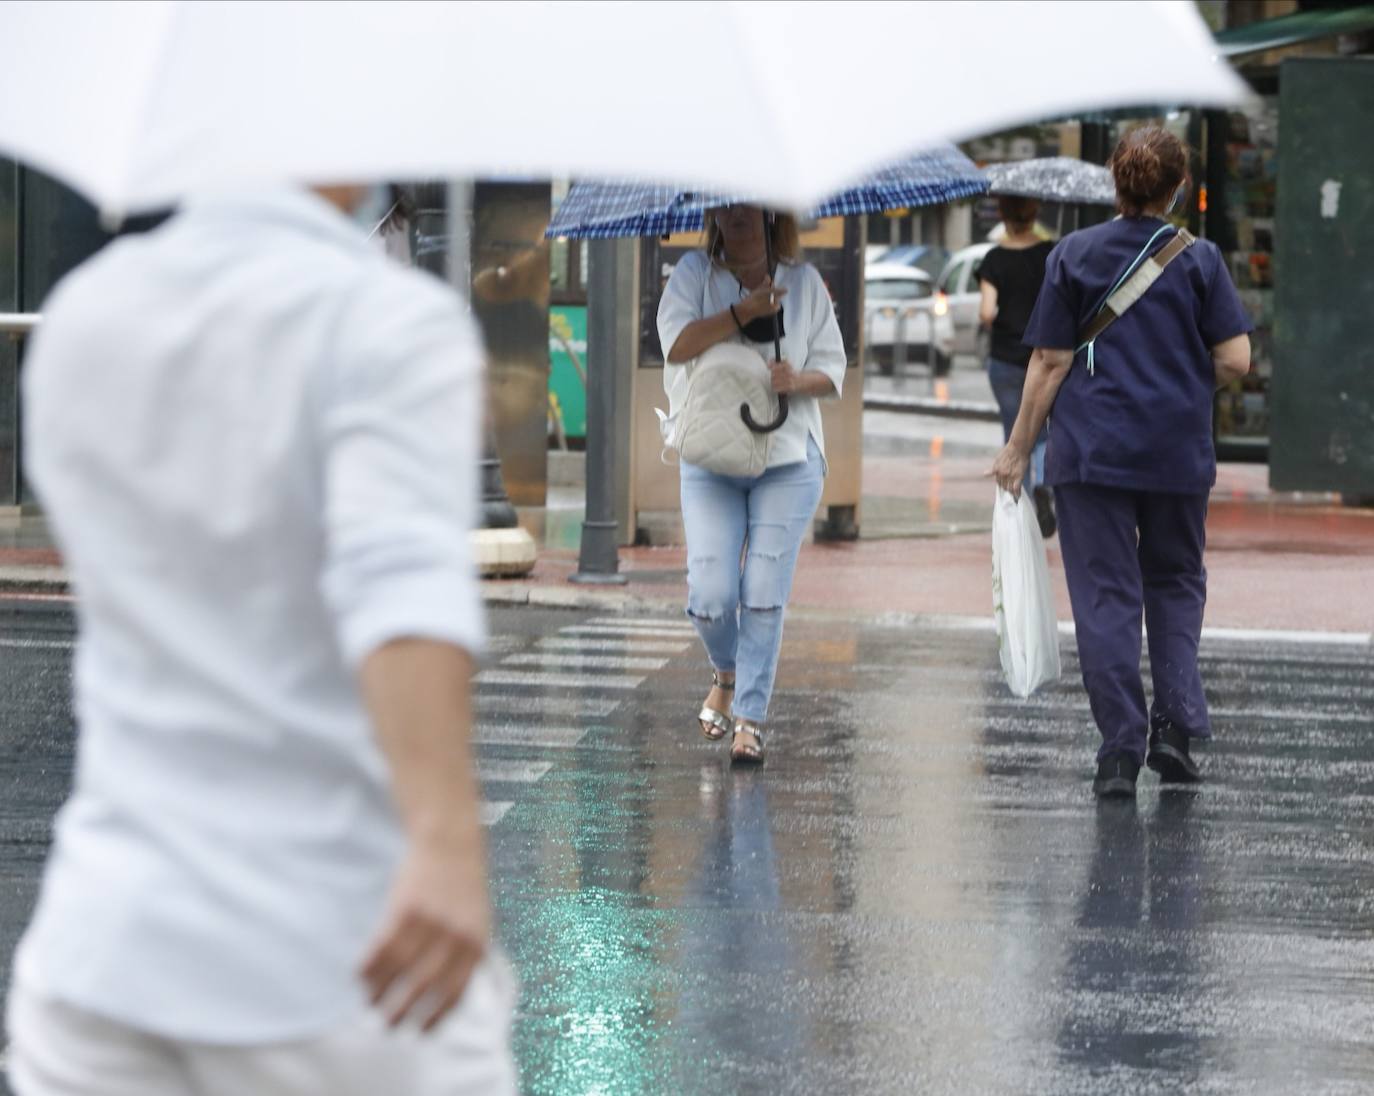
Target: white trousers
57,1050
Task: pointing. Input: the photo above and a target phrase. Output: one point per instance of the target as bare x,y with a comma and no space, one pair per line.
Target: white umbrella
137,104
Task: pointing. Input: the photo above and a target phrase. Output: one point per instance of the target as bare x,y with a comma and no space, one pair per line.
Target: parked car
899,319
928,257
957,296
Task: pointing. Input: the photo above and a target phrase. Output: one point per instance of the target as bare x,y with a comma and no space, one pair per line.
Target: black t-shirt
1017,275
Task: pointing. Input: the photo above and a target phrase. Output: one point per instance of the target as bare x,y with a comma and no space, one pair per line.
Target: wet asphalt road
916,895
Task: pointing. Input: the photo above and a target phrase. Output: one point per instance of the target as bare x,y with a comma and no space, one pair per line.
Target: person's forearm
700,335
418,694
811,382
1231,360
1044,375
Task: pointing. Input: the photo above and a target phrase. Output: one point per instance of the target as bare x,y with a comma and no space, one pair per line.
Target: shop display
1242,408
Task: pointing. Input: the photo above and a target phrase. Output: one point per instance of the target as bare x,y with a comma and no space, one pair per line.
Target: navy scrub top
1143,419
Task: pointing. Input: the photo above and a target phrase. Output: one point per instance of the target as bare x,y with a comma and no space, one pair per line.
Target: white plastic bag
1022,601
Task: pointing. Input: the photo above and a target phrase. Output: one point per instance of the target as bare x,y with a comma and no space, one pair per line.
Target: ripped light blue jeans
743,536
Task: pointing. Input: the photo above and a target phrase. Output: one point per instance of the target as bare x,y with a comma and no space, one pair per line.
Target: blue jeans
1007,382
743,536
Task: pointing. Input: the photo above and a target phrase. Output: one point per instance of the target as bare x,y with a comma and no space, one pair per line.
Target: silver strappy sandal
747,753
715,725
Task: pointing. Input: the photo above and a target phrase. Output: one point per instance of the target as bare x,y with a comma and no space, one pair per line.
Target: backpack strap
1134,287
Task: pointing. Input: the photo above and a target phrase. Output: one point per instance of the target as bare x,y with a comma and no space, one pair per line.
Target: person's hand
783,377
763,301
1009,469
436,931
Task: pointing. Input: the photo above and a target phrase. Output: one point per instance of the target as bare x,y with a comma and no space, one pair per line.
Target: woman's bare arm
700,335
1231,359
987,304
1044,375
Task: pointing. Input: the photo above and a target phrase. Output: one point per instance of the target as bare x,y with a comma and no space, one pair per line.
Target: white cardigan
697,288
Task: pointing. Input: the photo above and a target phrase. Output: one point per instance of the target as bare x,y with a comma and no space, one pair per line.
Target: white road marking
558,681
1245,635
608,630
492,813
37,644
579,707
628,646
529,735
511,772
676,623
554,661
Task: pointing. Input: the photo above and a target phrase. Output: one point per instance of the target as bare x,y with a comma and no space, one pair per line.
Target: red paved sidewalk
1274,562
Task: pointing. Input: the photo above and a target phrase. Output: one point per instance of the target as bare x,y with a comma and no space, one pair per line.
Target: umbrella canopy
599,211
1053,179
139,104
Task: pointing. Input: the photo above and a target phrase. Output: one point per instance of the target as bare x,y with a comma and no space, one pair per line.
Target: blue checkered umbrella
599,211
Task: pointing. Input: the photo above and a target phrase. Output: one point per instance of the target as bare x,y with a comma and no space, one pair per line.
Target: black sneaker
1168,756
1044,511
1116,775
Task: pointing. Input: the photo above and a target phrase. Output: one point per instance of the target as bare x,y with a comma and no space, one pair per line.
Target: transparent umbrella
1053,179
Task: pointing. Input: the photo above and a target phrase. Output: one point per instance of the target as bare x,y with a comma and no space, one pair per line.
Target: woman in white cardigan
744,533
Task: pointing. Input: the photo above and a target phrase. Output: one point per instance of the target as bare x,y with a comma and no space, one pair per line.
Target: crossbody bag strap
1134,287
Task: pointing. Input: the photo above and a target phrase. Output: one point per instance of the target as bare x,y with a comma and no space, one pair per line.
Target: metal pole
599,560
443,246
460,238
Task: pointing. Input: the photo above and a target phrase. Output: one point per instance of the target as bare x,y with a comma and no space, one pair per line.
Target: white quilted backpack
707,430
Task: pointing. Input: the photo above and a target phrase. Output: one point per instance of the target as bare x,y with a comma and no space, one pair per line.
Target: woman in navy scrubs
1131,458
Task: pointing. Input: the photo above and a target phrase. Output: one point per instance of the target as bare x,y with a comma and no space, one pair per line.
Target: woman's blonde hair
786,239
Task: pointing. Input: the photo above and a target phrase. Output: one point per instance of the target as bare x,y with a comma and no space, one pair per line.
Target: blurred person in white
257,440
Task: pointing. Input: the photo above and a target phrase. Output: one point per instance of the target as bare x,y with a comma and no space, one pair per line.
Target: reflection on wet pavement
918,894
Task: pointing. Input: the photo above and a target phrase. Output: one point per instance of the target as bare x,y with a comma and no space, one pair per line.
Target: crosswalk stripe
676,623
555,661
493,702
558,681
628,646
511,772
528,735
492,813
627,633
37,644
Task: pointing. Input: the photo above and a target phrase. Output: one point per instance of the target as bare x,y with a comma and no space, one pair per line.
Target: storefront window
1246,237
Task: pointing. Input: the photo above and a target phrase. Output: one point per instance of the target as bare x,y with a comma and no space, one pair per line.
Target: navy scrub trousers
1127,552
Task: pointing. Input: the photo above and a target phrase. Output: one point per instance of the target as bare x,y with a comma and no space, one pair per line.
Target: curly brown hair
1148,165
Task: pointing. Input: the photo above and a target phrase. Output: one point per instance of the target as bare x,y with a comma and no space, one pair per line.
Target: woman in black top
1010,280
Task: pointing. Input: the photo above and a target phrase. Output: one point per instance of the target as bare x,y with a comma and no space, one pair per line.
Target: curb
577,597
499,592
947,409
33,580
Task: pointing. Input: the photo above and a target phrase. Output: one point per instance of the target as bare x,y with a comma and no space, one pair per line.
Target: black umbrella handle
744,412
768,427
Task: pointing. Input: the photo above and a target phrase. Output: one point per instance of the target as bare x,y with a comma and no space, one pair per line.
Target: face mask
760,330
369,213
1178,194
